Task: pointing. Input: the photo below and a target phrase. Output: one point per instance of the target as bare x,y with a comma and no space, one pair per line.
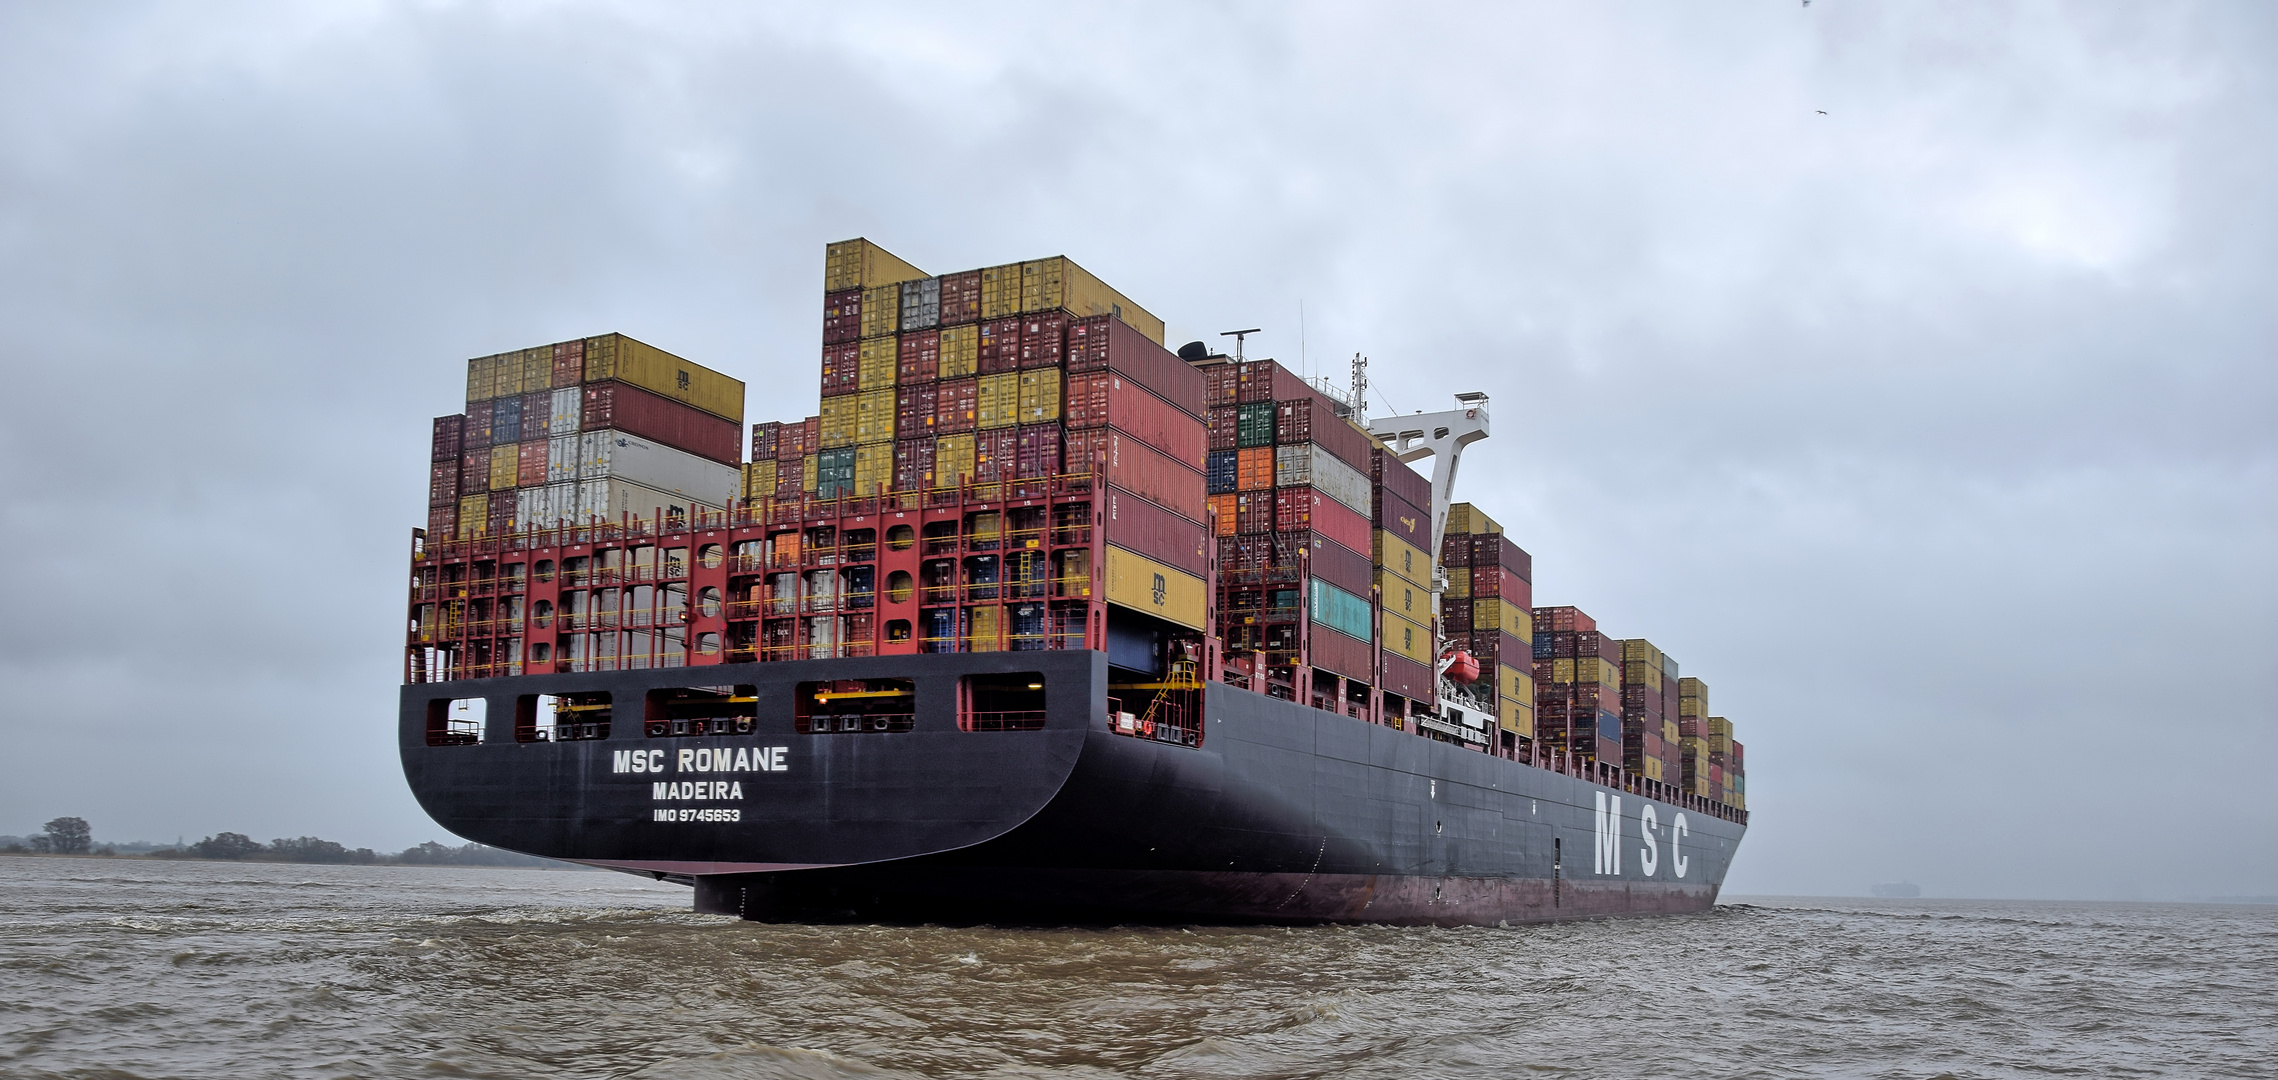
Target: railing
852,723
1018,720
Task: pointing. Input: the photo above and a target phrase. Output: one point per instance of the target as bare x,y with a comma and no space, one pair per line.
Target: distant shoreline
527,862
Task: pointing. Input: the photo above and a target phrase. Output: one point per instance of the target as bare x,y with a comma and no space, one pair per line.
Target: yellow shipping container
759,481
1401,596
873,417
1000,291
1512,681
474,516
1459,583
481,374
1669,731
876,362
537,368
1692,697
1562,670
854,264
505,466
873,466
881,310
1409,638
1653,771
615,356
952,459
1040,396
998,404
1504,615
1590,669
838,424
1142,584
1401,558
807,469
1640,649
1641,673
1517,717
960,351
1466,518
982,626
1058,284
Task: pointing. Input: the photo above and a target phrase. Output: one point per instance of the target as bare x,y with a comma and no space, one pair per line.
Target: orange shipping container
1253,469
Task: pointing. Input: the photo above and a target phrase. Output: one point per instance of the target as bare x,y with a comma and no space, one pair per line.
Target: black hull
1283,814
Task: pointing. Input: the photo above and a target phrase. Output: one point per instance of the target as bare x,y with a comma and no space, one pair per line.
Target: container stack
1289,479
1488,610
1692,733
1650,739
595,428
1578,686
1400,556
1008,375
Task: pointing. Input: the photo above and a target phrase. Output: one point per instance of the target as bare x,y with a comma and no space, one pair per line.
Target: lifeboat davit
1462,668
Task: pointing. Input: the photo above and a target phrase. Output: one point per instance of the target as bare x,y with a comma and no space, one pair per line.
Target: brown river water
127,968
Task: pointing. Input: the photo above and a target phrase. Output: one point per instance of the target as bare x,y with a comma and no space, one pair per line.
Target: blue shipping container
1348,614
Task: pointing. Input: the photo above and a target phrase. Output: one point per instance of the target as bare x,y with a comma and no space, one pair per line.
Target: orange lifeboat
1462,668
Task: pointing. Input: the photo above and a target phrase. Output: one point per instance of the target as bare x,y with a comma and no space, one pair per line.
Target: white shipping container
610,454
1305,464
567,412
612,499
548,506
561,459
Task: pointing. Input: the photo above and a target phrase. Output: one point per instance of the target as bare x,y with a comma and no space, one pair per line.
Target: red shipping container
536,406
1313,419
842,316
1406,523
569,364
920,359
501,516
1408,678
442,523
798,440
630,409
476,433
1394,476
1043,337
474,473
763,440
916,408
913,464
1600,645
1299,509
1107,399
1141,469
789,484
1101,343
1293,421
1328,560
1222,430
450,431
996,455
443,483
1500,551
842,366
1142,525
960,298
1000,346
1039,451
1563,620
956,405
1219,386
1340,655
1244,554
530,463
1254,513
1254,380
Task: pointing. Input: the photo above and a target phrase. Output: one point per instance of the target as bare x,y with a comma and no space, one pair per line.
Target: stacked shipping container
598,427
1488,611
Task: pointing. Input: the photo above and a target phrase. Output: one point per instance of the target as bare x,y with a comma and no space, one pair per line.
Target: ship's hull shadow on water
1283,814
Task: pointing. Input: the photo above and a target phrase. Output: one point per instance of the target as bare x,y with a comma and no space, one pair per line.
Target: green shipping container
1339,610
834,472
1254,425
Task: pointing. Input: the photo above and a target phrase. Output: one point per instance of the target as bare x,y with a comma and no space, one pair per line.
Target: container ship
1036,621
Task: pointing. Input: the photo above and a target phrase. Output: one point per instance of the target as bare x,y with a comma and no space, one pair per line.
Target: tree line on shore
73,836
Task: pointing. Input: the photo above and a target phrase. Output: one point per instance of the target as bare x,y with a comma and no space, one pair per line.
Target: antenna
1238,335
1360,388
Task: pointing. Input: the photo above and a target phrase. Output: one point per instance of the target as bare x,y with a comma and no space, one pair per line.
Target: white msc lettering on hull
1608,822
1649,856
704,760
1677,832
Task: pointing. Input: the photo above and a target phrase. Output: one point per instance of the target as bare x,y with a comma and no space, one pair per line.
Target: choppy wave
192,969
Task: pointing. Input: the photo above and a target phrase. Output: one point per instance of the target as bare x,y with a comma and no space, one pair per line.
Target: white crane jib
1442,437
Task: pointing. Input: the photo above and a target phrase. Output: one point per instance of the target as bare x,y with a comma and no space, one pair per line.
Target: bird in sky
1821,112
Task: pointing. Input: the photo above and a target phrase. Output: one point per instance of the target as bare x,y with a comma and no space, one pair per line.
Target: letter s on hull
1649,856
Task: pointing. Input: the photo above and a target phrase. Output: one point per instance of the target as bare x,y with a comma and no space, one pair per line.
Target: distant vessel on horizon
1898,890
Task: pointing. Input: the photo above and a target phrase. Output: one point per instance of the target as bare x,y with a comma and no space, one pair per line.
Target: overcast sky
1896,367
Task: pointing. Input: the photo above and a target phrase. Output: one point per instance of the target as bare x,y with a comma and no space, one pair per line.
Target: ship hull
1283,813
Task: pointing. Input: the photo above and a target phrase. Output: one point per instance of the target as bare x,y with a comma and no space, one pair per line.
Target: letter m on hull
1608,834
